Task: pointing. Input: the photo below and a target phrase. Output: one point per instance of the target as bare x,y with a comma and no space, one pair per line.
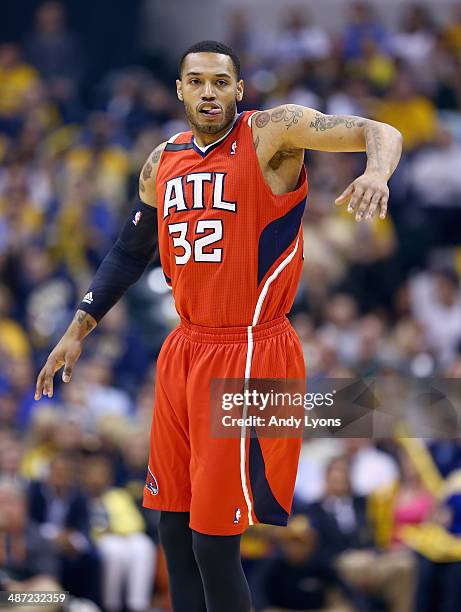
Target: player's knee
203,548
173,528
208,548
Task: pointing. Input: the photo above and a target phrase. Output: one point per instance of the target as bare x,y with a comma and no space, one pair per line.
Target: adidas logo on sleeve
88,299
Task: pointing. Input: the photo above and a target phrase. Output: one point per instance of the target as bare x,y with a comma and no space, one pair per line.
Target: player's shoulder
151,164
156,154
148,175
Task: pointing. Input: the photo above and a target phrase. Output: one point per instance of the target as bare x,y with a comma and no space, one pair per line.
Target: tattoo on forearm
83,319
374,144
328,122
290,115
80,317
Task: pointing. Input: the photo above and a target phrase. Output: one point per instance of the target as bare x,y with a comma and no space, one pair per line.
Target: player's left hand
366,195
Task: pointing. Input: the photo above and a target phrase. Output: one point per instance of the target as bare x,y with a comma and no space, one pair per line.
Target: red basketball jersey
230,249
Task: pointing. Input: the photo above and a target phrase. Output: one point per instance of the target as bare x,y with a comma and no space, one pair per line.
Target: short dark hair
211,46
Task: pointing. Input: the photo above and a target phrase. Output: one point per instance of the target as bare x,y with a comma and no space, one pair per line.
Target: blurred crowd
376,523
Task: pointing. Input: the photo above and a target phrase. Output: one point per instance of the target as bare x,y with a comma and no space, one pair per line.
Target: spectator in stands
13,340
341,327
21,215
11,452
436,304
407,109
417,38
124,347
370,468
406,346
61,510
16,79
301,40
135,451
27,561
433,175
436,184
363,26
345,535
406,502
453,30
339,517
438,545
56,54
299,577
117,526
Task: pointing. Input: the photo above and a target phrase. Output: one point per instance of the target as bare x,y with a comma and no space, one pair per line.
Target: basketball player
224,201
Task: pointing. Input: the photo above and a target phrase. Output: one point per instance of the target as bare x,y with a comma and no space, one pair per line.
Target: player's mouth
210,110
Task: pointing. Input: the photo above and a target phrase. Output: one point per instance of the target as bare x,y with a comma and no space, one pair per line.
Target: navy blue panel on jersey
171,146
277,237
266,508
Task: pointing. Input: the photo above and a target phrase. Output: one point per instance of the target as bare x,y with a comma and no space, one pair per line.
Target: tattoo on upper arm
156,155
147,171
328,122
262,119
148,167
256,143
290,115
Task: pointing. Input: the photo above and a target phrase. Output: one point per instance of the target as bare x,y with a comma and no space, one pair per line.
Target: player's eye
194,81
222,83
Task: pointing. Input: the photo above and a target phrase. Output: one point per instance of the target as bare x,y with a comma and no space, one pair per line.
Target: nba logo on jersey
234,147
237,516
151,483
137,218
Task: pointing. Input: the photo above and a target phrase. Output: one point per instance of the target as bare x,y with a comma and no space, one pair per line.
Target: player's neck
204,140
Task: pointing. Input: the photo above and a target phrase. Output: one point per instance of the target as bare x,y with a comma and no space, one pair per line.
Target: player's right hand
65,353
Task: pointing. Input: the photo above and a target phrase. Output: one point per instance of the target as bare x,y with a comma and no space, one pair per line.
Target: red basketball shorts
226,484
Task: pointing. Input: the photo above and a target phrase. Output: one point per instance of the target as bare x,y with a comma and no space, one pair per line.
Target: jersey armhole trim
173,138
251,117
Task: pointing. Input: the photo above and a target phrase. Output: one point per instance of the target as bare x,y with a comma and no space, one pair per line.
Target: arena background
86,92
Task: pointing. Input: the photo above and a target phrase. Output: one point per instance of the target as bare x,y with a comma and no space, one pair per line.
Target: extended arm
121,268
291,127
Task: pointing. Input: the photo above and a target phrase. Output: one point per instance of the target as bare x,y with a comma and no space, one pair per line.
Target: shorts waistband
223,335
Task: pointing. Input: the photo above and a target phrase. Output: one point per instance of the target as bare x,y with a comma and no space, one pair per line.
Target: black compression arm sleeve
124,263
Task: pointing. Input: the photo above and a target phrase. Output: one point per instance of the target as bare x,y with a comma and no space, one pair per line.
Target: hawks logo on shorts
151,483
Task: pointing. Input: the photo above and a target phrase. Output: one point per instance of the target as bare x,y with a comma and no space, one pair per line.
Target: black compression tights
205,572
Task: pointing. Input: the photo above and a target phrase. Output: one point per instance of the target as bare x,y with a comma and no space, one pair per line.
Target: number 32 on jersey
206,231
212,232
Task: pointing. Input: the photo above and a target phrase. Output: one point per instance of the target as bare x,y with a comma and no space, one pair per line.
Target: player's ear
179,89
240,87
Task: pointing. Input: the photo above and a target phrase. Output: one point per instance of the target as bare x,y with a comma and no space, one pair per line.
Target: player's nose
208,92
